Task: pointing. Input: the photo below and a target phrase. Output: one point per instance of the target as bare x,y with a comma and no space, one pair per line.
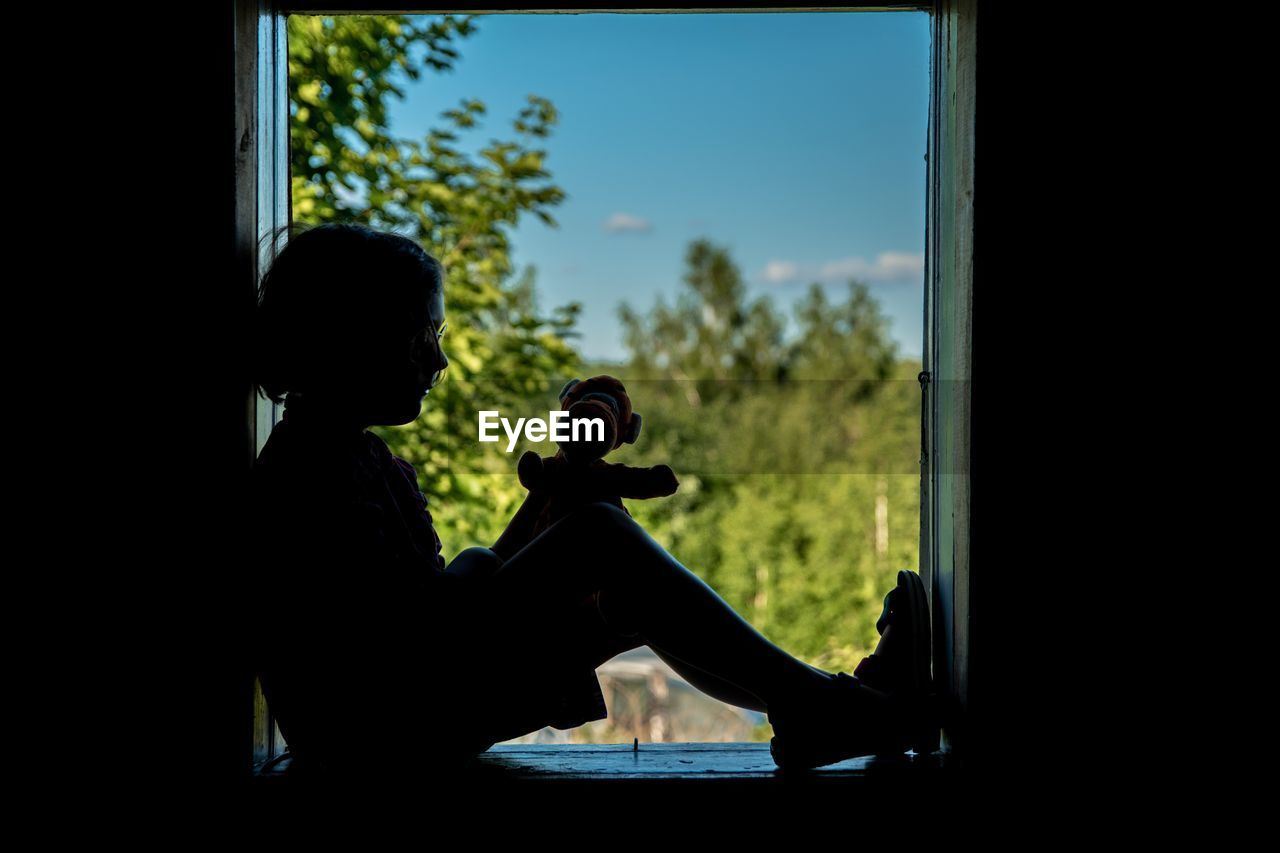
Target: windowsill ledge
739,765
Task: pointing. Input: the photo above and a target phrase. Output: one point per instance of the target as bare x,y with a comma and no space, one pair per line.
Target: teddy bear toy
577,474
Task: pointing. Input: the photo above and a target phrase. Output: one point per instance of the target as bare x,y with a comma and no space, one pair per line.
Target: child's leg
581,622
475,562
647,591
713,686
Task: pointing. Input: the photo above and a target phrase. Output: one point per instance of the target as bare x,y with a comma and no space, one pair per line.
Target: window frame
262,205
946,378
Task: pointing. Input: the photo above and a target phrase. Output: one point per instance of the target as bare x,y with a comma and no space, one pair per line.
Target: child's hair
330,291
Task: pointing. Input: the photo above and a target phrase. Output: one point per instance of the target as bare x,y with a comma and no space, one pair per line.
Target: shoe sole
812,757
787,758
919,635
921,649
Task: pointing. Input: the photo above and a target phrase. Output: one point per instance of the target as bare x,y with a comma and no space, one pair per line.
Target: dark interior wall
223,585
1028,284
152,97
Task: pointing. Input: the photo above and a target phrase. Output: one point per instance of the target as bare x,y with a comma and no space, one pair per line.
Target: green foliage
798,454
347,165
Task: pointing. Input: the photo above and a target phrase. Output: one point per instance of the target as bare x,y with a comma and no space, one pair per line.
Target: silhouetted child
377,643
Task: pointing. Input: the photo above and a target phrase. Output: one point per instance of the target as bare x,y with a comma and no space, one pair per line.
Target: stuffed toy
577,474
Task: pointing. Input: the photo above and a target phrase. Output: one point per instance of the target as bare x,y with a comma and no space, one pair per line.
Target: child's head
349,315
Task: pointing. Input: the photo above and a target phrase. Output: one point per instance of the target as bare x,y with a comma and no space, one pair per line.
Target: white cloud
777,272
621,223
888,266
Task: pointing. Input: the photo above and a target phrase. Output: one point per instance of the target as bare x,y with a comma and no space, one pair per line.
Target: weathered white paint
262,204
944,529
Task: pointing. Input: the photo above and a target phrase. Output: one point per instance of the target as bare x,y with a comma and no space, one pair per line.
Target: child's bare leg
590,633
648,592
597,640
711,685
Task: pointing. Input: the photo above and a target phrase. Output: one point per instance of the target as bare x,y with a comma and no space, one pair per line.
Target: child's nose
430,369
440,362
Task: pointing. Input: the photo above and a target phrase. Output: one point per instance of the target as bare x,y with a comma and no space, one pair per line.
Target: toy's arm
624,481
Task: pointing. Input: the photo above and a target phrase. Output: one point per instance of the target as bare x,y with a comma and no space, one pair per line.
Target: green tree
711,336
348,165
797,454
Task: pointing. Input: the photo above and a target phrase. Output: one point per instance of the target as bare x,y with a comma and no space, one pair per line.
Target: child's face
427,352
408,365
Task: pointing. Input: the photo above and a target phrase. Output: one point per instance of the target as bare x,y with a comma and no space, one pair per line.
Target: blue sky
796,140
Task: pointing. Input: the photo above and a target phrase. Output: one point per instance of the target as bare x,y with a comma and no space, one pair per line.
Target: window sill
686,766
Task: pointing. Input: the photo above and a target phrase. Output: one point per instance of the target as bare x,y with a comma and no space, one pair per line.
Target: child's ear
564,392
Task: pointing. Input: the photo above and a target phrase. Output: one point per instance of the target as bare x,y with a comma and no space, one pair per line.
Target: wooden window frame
262,204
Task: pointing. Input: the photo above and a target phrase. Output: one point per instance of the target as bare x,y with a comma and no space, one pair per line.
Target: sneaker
886,707
903,663
843,718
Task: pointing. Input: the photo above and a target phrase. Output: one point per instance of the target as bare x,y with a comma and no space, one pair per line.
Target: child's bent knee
475,560
602,513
